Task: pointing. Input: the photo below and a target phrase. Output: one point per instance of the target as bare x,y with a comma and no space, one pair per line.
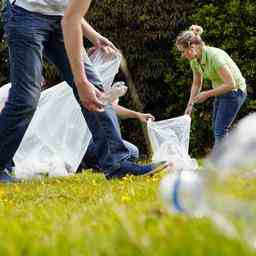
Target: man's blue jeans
29,36
225,109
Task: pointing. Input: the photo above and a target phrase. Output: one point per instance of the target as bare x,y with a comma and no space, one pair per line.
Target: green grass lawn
88,215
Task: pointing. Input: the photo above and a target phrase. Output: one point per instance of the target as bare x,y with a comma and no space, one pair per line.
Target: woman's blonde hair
192,36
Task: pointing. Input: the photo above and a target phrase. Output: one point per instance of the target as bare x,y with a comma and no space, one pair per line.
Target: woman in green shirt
228,84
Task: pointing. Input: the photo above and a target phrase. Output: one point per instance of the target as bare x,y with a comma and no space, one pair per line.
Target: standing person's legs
89,160
25,53
111,152
214,114
104,126
225,110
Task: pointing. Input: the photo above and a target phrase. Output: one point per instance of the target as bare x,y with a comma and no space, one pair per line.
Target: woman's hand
201,97
189,109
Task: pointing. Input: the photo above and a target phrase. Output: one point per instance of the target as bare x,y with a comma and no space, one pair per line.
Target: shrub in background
146,32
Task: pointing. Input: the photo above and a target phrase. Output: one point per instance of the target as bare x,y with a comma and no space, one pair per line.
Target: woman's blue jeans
29,36
225,109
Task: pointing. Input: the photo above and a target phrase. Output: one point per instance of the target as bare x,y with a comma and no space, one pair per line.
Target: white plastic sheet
170,142
3,95
57,137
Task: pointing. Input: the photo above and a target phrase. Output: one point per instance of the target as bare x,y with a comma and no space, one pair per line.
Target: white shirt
46,7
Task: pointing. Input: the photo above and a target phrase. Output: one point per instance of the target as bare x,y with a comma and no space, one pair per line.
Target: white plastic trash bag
57,137
170,142
107,66
4,95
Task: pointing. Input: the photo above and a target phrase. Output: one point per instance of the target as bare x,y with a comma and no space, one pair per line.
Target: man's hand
144,118
89,97
96,38
102,42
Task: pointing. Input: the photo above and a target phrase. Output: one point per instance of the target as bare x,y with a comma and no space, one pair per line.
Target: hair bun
196,29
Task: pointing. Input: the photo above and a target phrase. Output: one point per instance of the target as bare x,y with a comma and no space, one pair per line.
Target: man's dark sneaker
5,177
88,165
89,161
10,167
128,167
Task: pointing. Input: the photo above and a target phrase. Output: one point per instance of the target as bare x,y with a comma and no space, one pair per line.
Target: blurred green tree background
145,32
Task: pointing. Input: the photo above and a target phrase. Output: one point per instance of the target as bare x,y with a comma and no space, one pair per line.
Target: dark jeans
225,109
29,35
90,158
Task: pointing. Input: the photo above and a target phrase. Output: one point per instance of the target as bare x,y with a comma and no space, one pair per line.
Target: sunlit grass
88,215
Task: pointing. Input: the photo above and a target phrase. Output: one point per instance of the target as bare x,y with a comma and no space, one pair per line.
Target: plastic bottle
117,90
183,192
235,156
192,194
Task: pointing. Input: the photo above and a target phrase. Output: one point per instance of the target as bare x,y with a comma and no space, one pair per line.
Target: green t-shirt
212,60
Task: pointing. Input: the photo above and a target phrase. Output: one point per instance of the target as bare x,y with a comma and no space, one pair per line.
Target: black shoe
128,167
86,166
10,167
5,177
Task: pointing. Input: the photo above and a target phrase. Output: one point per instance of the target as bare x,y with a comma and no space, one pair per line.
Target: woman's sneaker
128,167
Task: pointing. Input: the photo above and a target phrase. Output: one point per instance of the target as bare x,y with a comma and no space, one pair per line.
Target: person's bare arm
227,86
195,90
228,82
125,113
73,39
73,35
96,38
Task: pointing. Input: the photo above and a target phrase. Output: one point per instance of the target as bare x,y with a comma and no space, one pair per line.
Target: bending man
33,28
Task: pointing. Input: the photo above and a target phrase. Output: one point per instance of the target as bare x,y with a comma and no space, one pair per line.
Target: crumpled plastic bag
57,137
170,142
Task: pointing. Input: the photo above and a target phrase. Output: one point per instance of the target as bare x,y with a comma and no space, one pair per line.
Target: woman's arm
228,85
195,90
228,82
